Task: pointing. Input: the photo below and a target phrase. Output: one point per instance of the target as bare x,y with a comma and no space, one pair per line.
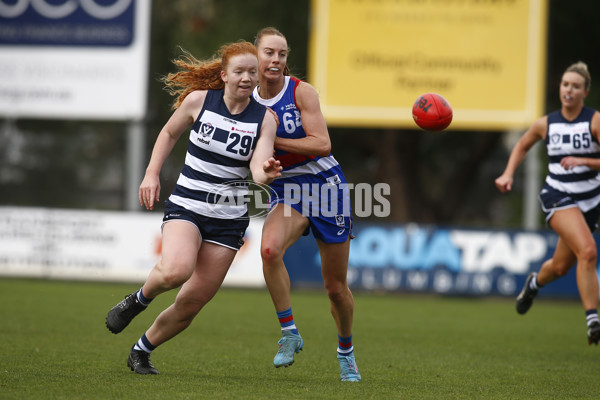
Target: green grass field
54,345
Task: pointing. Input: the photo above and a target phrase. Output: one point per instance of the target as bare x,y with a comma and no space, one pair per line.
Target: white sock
533,284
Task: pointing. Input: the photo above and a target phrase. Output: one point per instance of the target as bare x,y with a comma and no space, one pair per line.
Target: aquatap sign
414,258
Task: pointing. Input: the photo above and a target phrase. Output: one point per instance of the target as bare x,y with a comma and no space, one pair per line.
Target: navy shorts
553,200
224,232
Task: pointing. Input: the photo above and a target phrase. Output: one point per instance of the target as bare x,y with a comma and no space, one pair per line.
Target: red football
432,112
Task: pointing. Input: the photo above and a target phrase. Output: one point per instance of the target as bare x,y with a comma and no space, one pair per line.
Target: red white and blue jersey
219,151
312,174
573,138
290,127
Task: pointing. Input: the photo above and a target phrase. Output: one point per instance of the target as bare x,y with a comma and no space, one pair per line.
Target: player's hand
504,183
570,162
274,114
272,168
149,192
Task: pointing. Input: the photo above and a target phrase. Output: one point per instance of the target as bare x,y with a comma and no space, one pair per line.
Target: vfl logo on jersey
205,132
555,138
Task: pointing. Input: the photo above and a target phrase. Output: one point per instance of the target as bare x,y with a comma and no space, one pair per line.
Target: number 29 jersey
218,159
573,138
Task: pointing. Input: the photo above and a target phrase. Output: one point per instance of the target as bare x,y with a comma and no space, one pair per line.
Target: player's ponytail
582,69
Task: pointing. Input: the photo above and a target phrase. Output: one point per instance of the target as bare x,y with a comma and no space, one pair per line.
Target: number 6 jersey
218,159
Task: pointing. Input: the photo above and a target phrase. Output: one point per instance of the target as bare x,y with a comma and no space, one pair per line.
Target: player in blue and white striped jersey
231,135
570,197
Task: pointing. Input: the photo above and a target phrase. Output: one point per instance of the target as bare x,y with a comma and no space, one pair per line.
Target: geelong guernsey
218,159
573,138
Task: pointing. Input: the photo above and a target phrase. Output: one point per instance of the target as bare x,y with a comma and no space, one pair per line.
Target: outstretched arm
263,165
536,132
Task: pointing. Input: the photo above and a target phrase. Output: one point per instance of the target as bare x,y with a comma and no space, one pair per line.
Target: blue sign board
106,23
453,261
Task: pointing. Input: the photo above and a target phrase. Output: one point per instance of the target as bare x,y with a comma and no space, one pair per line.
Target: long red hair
195,74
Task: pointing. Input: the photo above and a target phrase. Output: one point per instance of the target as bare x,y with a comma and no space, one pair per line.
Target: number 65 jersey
218,159
573,138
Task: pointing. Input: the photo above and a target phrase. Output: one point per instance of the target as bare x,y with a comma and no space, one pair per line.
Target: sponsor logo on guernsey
234,129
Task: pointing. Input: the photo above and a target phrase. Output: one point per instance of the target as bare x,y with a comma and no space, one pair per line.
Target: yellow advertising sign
371,59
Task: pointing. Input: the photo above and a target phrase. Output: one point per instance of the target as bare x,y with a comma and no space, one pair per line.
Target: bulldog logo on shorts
334,180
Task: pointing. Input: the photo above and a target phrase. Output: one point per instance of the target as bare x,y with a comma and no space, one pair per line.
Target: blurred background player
570,197
200,238
303,146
